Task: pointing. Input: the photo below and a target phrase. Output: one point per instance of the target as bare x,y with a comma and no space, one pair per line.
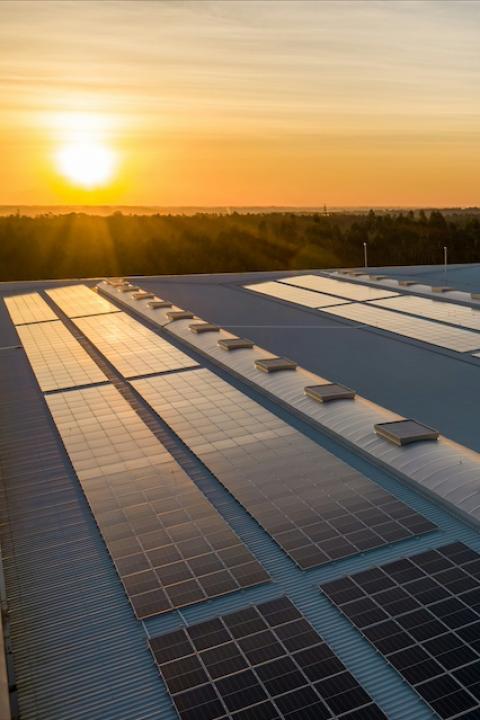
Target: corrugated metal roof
79,652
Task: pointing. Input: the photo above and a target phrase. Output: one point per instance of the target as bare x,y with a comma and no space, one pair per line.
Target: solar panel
435,310
423,614
57,358
295,295
29,308
412,327
316,507
265,662
340,288
79,301
170,546
130,347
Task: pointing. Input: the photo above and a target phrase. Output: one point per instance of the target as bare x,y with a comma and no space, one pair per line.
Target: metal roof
78,650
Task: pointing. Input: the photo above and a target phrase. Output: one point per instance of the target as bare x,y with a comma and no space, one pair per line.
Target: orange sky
243,103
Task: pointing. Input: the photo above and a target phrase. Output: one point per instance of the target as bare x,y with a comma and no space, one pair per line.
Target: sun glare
86,164
84,157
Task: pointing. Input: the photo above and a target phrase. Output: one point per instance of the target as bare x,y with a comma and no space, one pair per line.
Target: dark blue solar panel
423,614
262,663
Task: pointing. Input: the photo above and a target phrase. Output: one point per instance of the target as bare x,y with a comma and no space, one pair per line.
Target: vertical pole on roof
365,260
445,257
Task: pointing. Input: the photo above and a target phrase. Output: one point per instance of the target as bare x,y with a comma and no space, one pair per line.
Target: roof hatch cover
235,343
275,364
405,432
329,392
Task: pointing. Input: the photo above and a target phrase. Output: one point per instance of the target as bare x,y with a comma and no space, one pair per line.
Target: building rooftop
185,534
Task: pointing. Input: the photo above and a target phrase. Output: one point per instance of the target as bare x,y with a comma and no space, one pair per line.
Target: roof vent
235,343
275,364
407,283
155,304
329,392
203,327
142,295
128,288
440,288
405,432
179,315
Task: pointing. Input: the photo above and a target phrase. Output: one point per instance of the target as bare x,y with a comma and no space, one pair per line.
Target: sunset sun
83,157
86,164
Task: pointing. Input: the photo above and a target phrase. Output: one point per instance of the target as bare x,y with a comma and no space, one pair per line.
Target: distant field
84,245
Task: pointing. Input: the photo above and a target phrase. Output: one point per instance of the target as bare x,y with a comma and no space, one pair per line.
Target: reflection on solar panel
435,310
348,290
423,614
262,663
132,348
294,294
29,308
170,546
316,507
79,300
412,327
57,358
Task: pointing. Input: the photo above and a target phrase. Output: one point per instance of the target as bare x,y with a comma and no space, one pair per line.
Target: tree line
88,245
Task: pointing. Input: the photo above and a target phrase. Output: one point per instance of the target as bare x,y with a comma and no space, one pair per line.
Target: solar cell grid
417,328
57,358
347,290
265,662
79,300
434,310
315,507
170,546
130,347
296,295
423,614
29,308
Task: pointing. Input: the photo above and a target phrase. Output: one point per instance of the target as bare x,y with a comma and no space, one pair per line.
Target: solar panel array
130,347
347,290
79,300
423,614
294,294
412,327
316,507
262,663
28,308
170,546
435,310
57,358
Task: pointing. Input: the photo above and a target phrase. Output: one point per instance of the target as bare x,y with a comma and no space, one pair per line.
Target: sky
240,102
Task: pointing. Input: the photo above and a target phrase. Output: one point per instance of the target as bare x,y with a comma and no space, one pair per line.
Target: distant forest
82,245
